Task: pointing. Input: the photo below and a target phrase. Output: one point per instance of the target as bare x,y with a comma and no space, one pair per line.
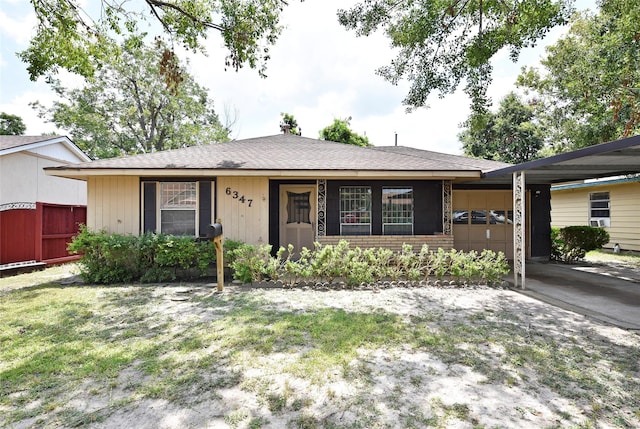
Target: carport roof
614,158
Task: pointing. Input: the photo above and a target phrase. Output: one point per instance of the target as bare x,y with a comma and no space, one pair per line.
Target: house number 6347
236,196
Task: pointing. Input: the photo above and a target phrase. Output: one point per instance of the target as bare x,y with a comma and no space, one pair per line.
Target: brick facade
393,242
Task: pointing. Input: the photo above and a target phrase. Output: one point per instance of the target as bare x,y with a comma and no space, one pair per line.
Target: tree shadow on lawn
126,353
518,342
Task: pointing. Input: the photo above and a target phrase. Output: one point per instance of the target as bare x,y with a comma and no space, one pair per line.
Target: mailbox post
215,232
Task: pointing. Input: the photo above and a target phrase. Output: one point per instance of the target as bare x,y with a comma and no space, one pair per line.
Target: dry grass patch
184,356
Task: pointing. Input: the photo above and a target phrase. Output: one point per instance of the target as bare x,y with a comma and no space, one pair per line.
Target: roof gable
38,144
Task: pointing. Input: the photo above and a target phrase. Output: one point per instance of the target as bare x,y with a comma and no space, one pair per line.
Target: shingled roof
439,157
288,152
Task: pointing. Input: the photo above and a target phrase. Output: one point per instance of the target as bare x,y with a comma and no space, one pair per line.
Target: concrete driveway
606,293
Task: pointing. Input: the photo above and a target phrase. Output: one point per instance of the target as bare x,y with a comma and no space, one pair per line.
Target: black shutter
149,209
204,207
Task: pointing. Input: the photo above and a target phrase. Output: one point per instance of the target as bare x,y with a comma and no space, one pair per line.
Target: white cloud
17,28
20,106
318,71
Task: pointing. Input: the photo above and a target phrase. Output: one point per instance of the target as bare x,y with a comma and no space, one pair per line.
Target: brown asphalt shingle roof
473,163
291,152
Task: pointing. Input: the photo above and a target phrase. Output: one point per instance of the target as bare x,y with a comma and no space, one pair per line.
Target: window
599,209
298,207
178,208
397,211
501,217
355,210
483,217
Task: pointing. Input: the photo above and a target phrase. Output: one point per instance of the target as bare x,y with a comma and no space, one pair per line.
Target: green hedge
117,258
356,266
571,243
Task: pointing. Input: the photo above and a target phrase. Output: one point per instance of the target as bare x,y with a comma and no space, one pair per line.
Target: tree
11,125
589,89
442,43
71,37
509,135
289,124
340,132
127,109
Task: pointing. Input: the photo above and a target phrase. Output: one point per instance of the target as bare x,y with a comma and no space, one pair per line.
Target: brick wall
393,242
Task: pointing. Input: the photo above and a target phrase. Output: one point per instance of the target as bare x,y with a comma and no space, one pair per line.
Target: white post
519,236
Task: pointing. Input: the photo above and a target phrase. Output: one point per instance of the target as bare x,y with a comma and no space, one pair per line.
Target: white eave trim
64,140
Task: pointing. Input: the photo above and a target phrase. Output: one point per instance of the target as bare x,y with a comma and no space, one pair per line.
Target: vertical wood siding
114,204
243,219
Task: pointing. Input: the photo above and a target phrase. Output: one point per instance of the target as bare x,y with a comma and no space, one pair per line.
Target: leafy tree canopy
11,125
443,43
289,124
127,109
340,132
509,135
588,90
69,36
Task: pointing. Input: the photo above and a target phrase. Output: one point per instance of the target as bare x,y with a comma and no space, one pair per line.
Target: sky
318,72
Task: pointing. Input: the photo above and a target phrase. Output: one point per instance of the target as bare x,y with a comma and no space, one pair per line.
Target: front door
297,216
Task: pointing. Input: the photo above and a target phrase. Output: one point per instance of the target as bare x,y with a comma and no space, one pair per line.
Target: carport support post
519,193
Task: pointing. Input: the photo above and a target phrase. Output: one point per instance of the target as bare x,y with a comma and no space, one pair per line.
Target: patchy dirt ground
475,385
455,358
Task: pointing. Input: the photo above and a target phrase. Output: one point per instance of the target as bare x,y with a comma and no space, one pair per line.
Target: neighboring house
38,213
611,203
288,189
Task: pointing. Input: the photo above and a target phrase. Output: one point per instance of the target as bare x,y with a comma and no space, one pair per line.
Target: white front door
297,216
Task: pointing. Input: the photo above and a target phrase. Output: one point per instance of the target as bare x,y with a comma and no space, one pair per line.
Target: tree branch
153,4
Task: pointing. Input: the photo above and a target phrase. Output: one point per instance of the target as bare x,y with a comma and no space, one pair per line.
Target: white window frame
160,209
357,217
395,215
598,197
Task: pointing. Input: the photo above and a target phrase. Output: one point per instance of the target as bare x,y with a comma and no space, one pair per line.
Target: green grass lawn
628,258
77,355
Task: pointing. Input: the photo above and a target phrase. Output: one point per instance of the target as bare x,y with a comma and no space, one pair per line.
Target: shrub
571,243
356,266
250,262
106,258
228,249
117,258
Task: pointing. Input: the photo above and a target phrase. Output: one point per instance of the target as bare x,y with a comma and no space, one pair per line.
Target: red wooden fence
17,235
41,234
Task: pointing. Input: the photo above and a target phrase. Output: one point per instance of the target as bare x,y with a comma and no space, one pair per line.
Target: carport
616,158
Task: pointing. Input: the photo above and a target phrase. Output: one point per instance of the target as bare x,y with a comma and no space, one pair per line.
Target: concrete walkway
608,294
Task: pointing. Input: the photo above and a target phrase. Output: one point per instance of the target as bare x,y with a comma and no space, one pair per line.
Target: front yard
176,356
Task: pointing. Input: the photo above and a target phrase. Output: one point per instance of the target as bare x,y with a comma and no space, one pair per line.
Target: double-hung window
397,211
599,209
355,210
178,208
